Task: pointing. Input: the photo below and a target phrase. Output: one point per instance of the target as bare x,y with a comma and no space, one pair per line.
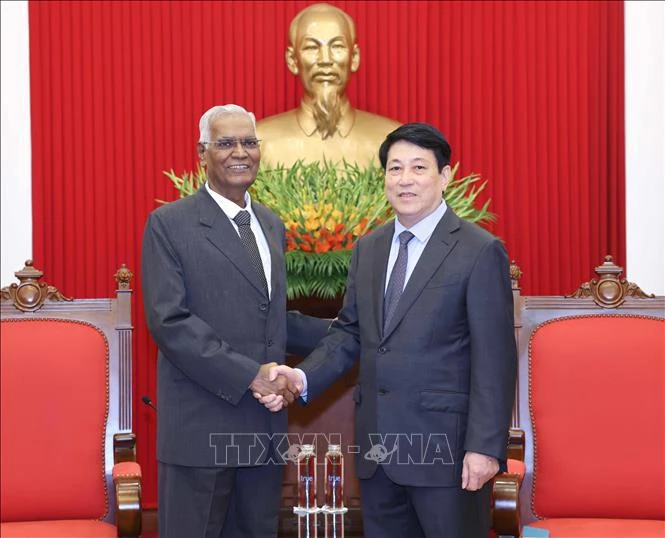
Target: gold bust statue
323,52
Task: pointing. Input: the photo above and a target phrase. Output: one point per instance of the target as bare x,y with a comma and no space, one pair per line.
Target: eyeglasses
227,144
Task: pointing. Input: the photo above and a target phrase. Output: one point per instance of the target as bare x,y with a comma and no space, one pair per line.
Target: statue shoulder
279,124
368,122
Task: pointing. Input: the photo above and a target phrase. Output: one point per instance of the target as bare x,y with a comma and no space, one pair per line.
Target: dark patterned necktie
396,282
242,219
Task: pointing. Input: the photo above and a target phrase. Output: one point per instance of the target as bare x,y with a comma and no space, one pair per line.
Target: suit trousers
219,502
391,510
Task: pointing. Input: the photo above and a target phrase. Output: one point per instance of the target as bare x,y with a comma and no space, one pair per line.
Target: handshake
276,386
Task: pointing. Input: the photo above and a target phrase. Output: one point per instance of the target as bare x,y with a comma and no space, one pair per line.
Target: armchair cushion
596,389
126,469
602,528
80,528
53,425
517,467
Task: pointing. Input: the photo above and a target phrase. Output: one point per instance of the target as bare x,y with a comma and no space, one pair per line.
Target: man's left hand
478,469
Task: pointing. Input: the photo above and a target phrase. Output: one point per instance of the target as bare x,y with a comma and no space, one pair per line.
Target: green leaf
313,197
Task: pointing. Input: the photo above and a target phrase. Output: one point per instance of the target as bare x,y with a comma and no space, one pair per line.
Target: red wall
530,94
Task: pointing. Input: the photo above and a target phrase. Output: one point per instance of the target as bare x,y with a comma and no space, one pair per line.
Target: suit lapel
438,247
275,245
224,237
380,255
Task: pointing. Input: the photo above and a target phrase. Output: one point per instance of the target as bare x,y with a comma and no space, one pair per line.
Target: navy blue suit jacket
440,380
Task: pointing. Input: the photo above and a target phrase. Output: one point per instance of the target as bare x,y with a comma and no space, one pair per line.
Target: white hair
215,112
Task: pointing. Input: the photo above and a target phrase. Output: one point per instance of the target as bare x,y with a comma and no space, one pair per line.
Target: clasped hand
276,386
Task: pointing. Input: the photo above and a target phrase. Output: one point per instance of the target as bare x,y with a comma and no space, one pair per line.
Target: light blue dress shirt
422,231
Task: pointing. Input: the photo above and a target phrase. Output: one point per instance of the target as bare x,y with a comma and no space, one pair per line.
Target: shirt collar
231,209
424,228
308,125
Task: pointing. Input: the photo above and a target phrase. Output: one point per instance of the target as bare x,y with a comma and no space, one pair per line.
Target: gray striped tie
396,282
242,219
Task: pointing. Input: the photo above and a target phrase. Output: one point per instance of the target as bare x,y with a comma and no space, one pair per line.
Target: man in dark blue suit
428,312
214,284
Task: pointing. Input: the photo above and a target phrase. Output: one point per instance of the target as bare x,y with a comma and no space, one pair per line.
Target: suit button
383,392
263,307
270,342
382,350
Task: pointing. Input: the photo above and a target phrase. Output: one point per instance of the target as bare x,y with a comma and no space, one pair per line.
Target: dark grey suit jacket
214,326
441,379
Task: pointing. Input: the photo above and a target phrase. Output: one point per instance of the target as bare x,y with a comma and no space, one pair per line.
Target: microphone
146,400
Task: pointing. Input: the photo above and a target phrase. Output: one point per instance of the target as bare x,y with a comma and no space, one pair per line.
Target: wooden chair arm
505,504
516,442
127,480
124,447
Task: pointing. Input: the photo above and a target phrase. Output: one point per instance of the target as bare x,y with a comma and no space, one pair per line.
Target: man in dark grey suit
214,285
428,311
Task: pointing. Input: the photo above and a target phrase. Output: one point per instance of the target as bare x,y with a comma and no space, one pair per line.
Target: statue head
323,52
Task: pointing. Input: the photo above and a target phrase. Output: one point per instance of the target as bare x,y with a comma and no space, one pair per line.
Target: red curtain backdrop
530,95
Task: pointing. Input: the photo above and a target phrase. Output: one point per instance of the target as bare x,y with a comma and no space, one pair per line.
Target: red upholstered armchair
67,452
592,404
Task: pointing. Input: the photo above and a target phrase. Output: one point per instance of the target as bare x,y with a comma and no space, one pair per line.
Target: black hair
420,134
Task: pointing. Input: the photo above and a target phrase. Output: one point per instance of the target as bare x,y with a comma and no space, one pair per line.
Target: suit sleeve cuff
303,394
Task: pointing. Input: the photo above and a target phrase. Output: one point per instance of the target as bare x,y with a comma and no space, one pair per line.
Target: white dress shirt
231,209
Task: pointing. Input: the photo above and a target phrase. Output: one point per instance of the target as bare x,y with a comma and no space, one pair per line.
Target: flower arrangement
325,208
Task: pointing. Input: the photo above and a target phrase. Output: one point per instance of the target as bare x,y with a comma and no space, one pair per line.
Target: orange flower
322,246
349,242
358,230
305,247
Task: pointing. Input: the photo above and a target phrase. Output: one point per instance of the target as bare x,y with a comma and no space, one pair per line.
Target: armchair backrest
590,399
66,391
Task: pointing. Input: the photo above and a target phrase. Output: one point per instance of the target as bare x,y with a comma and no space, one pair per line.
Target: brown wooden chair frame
32,298
609,294
506,518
